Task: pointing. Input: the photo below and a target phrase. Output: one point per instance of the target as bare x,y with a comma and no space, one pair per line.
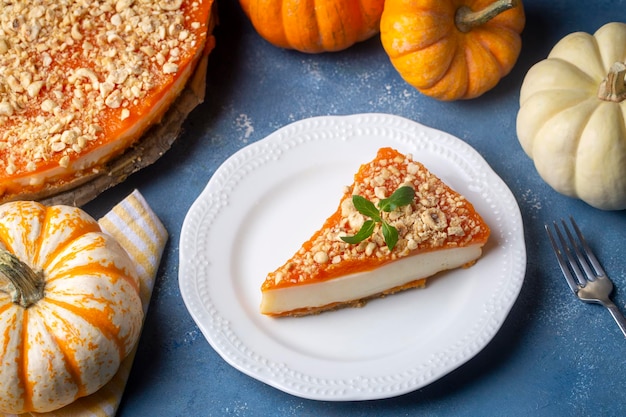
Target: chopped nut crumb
321,257
78,63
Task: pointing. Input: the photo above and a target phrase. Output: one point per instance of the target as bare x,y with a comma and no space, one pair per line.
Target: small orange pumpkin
452,49
314,26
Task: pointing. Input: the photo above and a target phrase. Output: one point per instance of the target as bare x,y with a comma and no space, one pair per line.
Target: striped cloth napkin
135,226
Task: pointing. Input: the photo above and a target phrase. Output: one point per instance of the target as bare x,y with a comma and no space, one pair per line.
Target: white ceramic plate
270,196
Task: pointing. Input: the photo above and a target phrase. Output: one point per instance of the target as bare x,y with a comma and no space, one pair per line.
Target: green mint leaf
401,197
366,207
390,234
366,231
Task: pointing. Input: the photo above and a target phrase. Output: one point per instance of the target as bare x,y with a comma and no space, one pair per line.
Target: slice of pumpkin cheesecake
395,226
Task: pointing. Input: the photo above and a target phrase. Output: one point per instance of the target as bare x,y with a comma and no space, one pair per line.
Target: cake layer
356,288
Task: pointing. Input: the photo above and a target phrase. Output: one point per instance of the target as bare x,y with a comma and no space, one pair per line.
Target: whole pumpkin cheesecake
81,81
395,226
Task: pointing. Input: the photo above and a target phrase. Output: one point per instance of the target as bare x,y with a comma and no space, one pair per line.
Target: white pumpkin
70,310
571,120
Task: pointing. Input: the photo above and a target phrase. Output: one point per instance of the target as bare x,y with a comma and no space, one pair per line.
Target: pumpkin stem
23,284
466,19
613,87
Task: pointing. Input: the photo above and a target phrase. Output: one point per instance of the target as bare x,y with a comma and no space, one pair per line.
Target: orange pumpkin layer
439,219
81,81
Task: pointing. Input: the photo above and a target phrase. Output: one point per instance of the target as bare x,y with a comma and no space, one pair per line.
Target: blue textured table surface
553,355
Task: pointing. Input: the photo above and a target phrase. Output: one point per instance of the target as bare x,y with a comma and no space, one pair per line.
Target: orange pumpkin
314,26
70,310
452,49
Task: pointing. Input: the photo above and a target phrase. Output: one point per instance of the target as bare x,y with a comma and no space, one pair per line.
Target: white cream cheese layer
366,284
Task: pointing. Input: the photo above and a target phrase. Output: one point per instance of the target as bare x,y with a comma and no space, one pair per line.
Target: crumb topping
437,218
72,70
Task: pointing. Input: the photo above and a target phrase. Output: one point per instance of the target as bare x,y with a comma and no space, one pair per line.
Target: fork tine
573,263
580,257
559,256
599,271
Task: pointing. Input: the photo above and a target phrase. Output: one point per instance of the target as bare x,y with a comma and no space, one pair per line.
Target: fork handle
617,315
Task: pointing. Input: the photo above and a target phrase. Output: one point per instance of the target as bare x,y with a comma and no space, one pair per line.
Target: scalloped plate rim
294,378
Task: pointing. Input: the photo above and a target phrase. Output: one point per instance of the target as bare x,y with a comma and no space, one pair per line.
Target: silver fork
583,272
